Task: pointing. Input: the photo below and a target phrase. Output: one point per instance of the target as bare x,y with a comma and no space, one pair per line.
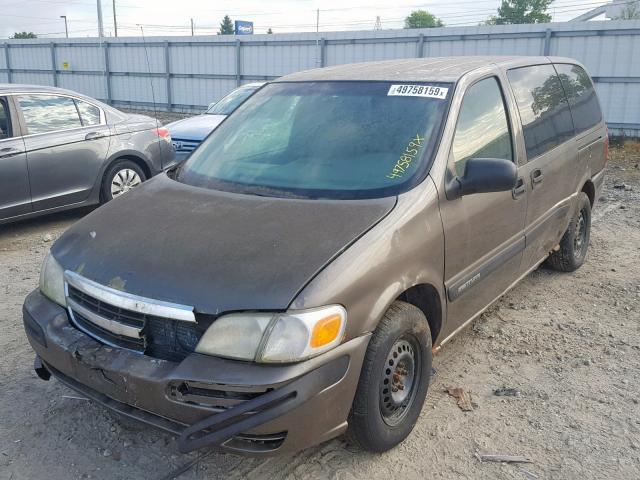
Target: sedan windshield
229,103
323,140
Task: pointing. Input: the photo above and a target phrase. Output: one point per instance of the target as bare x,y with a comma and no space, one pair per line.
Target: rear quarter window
89,114
582,97
544,110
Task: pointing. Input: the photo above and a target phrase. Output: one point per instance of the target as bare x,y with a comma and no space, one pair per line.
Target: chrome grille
182,145
126,317
107,336
159,329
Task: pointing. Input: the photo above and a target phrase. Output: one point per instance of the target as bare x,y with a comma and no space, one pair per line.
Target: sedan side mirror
483,175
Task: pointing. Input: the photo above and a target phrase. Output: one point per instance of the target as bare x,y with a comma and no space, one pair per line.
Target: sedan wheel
121,177
123,181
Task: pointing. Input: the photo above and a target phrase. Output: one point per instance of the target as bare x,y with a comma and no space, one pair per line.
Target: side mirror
483,175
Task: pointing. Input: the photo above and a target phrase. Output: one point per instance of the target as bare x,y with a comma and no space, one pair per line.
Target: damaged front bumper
239,407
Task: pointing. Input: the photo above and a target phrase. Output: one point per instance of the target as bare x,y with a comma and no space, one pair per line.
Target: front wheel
394,380
575,241
121,177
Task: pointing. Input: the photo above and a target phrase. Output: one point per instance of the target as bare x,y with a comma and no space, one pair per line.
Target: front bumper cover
261,409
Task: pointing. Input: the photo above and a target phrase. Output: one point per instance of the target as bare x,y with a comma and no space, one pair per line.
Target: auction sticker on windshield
428,91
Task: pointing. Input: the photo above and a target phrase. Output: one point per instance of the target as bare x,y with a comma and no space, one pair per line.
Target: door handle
537,176
7,152
94,135
519,189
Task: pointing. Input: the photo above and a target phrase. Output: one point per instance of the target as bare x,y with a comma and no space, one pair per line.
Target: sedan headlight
52,280
275,337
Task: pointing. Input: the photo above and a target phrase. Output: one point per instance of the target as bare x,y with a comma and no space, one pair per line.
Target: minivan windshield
338,139
229,103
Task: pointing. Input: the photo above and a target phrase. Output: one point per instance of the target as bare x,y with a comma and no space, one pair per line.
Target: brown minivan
289,282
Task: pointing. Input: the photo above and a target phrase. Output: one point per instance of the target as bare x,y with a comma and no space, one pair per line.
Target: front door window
482,130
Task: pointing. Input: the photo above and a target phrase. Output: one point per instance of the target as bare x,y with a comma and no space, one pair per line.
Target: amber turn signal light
326,331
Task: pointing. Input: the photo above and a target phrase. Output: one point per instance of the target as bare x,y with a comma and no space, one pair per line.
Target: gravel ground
568,343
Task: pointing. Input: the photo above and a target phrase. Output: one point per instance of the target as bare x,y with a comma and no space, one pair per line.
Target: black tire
372,424
118,167
575,241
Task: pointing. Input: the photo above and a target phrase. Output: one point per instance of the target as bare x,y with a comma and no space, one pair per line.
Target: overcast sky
173,17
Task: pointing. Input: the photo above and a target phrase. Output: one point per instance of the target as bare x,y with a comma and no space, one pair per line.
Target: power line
367,21
564,7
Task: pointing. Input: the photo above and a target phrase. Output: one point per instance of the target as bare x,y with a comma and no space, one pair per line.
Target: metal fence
187,73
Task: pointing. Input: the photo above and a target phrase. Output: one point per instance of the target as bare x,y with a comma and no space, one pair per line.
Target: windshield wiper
272,192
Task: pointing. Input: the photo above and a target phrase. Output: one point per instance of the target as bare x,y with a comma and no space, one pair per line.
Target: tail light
606,146
163,133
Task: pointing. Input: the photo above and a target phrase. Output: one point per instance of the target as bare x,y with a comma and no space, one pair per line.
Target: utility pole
115,22
66,29
318,37
100,26
192,27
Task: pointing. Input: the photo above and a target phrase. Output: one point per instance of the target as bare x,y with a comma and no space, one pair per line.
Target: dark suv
60,150
291,279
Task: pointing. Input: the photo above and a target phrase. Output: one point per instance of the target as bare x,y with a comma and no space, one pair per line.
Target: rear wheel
575,241
121,177
394,380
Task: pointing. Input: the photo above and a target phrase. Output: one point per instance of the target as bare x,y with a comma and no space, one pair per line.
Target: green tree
18,35
521,11
226,27
630,12
422,19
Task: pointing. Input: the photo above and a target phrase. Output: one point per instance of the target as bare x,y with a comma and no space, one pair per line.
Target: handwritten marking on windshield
407,157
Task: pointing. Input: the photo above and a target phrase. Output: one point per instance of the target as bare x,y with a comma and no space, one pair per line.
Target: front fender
404,249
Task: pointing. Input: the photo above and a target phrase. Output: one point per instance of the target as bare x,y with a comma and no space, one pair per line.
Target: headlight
275,337
52,280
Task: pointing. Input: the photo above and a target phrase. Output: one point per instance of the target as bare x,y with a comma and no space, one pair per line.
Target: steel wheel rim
123,181
400,378
579,238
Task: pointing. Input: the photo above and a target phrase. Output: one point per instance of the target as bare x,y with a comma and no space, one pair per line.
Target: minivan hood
213,250
195,128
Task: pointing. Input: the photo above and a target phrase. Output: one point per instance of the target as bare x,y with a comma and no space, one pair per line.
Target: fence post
323,52
238,62
107,73
167,70
420,46
7,61
54,67
547,42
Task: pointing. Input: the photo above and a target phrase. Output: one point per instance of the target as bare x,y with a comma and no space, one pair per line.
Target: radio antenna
153,93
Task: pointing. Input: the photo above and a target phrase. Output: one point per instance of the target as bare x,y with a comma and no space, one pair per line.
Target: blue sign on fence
244,28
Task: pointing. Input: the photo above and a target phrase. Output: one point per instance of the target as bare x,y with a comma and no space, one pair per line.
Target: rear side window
581,95
90,114
544,110
482,130
5,121
48,113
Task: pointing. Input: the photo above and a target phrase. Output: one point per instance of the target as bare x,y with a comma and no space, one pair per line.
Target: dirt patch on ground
567,344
